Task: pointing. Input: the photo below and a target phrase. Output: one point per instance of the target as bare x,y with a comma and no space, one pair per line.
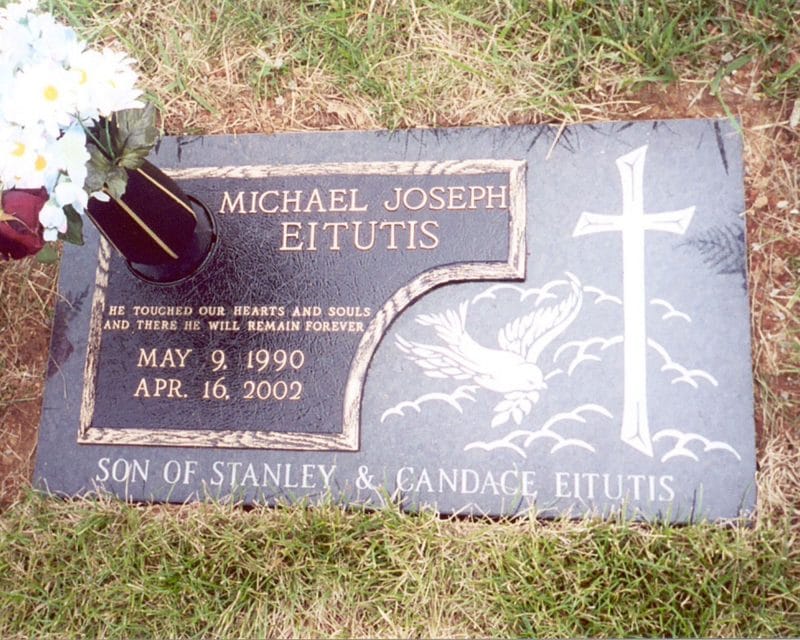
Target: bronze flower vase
164,234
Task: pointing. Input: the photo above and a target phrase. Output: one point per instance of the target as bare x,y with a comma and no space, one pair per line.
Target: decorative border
348,440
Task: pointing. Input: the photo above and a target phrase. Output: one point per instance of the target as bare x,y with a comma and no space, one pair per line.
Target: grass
220,66
107,569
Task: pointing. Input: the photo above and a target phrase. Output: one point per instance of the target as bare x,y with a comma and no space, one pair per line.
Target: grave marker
431,317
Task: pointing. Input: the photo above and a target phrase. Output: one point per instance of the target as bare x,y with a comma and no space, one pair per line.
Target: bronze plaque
270,345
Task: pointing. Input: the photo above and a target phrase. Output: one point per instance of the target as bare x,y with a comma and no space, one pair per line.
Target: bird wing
530,334
437,361
450,326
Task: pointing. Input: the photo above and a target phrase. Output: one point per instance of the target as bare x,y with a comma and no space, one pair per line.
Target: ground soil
24,361
773,227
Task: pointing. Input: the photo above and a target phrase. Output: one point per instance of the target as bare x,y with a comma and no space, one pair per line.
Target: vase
165,235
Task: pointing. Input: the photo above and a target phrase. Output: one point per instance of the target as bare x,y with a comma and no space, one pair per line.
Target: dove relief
510,368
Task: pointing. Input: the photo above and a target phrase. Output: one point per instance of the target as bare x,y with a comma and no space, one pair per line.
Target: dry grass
27,291
225,67
773,181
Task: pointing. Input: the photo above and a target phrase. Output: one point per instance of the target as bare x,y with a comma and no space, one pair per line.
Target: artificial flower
105,82
20,233
52,41
27,159
53,219
61,126
72,154
17,43
43,95
72,194
18,11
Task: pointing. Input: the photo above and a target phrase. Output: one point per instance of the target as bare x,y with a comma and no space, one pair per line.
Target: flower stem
97,143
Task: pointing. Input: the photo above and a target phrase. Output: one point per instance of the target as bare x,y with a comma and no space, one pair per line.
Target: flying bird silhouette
511,369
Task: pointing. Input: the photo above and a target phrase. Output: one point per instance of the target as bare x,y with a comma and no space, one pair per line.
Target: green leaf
98,168
727,70
47,254
104,175
74,234
116,182
135,135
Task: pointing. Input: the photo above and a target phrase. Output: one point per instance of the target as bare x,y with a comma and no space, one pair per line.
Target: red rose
21,236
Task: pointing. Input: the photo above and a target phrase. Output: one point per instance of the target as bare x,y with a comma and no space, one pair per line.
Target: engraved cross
632,224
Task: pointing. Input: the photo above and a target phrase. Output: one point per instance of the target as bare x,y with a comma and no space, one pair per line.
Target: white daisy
70,193
53,220
53,41
6,78
72,154
18,11
27,159
16,45
44,94
105,82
